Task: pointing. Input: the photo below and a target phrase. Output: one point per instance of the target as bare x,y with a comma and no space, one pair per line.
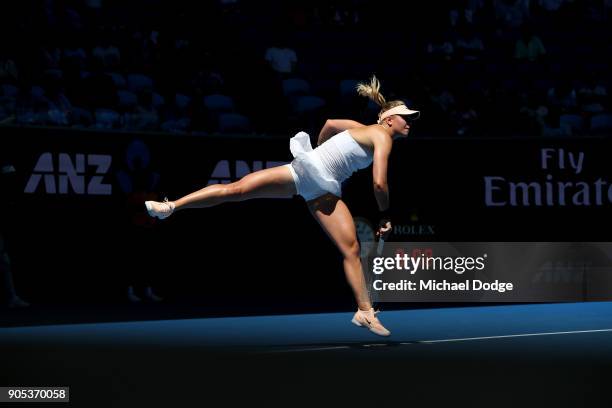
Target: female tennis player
344,146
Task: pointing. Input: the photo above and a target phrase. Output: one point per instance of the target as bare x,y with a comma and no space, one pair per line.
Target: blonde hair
372,91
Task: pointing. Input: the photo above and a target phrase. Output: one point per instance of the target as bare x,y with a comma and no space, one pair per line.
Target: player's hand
384,229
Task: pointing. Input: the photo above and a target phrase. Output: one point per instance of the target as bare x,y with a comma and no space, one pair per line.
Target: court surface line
506,336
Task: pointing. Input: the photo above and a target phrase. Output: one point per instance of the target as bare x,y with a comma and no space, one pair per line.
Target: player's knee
352,250
235,191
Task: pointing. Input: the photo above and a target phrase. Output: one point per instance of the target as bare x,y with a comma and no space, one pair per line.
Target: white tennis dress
323,169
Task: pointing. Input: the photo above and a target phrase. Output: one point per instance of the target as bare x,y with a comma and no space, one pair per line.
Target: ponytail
372,91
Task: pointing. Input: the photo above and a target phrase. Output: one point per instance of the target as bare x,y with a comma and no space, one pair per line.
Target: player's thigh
275,182
335,218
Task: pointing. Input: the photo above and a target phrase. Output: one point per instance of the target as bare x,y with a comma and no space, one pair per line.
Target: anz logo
223,174
63,173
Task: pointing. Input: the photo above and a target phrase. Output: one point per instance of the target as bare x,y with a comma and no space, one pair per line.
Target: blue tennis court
532,354
466,327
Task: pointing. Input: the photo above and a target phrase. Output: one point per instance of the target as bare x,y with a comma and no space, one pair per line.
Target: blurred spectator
469,45
142,51
545,121
529,46
31,106
51,56
84,43
74,56
444,100
466,117
144,116
139,182
281,59
441,107
209,78
440,47
98,90
562,97
454,16
105,55
465,12
232,11
94,4
6,116
9,74
531,113
511,13
550,5
23,104
9,187
467,122
347,13
607,9
60,108
297,15
473,10
592,96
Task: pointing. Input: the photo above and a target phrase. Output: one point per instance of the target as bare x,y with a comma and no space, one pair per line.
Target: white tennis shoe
369,320
158,209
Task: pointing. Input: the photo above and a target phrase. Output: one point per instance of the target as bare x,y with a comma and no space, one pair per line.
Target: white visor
400,110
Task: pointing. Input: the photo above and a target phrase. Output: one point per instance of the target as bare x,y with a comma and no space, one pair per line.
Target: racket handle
379,248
